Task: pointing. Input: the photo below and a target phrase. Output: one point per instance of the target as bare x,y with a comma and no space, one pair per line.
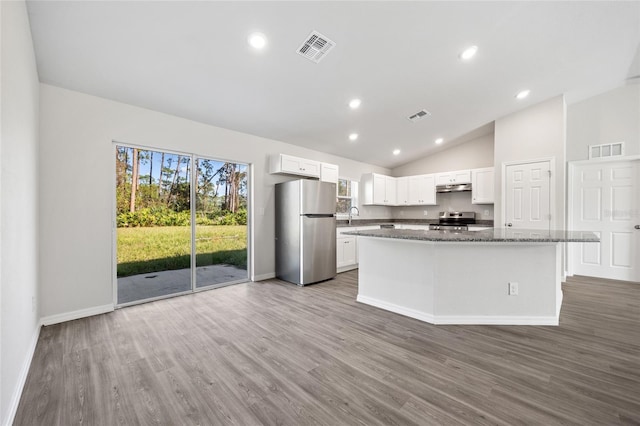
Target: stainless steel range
454,221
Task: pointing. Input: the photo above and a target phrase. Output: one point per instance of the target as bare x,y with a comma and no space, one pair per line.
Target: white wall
613,116
469,155
533,133
474,154
19,322
77,176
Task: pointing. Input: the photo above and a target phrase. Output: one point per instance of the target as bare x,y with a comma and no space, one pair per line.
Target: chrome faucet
357,213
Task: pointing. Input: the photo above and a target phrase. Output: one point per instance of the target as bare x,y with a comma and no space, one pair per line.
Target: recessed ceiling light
257,40
396,152
468,53
523,94
353,136
354,103
439,141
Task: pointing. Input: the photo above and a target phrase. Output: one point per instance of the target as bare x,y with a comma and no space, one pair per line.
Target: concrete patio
163,283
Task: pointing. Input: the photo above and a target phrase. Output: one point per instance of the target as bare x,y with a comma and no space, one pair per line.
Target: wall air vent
419,115
315,47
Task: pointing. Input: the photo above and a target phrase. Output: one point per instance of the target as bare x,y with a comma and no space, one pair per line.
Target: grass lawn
144,250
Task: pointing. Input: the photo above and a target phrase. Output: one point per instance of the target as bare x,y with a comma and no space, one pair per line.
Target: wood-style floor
273,353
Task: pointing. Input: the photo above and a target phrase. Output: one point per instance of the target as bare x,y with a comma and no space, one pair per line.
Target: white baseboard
412,313
22,378
346,268
560,298
82,313
496,320
263,277
459,319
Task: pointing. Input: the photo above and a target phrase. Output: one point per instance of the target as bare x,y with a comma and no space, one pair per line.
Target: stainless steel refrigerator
305,231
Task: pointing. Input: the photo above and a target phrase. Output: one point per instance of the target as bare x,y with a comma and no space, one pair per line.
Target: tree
134,180
150,168
161,173
174,180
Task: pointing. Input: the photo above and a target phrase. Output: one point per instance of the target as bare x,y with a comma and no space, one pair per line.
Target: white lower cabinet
346,252
478,228
414,227
347,247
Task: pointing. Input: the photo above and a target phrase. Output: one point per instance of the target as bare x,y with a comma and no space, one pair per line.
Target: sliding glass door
221,223
177,230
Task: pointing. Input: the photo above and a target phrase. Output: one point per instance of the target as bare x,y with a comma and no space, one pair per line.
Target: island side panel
397,275
472,282
462,282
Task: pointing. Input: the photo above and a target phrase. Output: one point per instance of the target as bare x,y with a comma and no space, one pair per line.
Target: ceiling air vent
315,47
419,115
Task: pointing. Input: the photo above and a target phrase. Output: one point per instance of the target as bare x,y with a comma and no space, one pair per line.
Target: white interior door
605,199
528,195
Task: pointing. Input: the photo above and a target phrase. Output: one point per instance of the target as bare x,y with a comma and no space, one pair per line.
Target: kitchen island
495,276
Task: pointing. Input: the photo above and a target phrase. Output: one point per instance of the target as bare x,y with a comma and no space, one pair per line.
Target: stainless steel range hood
460,187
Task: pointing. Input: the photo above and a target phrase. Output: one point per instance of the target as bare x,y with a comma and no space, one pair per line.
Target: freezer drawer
318,246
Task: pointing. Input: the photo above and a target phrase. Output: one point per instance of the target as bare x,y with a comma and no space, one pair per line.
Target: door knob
637,226
509,224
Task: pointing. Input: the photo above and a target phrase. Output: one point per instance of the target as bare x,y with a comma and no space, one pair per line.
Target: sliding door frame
192,204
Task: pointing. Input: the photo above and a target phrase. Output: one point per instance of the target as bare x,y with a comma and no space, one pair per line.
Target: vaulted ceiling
192,59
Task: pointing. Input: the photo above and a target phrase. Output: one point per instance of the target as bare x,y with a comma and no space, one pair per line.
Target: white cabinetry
478,228
482,186
402,191
346,252
414,227
329,173
422,190
378,189
347,247
460,176
288,164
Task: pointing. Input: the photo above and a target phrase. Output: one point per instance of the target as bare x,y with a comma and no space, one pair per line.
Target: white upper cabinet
447,178
378,189
421,189
402,191
288,164
482,186
329,172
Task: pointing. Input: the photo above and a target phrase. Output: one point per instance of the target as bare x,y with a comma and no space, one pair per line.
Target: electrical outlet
513,289
486,212
425,212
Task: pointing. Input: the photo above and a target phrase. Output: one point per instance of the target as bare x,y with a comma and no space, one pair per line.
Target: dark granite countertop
343,223
498,235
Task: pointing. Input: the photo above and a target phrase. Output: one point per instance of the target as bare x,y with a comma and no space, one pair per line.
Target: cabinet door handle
637,226
509,224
